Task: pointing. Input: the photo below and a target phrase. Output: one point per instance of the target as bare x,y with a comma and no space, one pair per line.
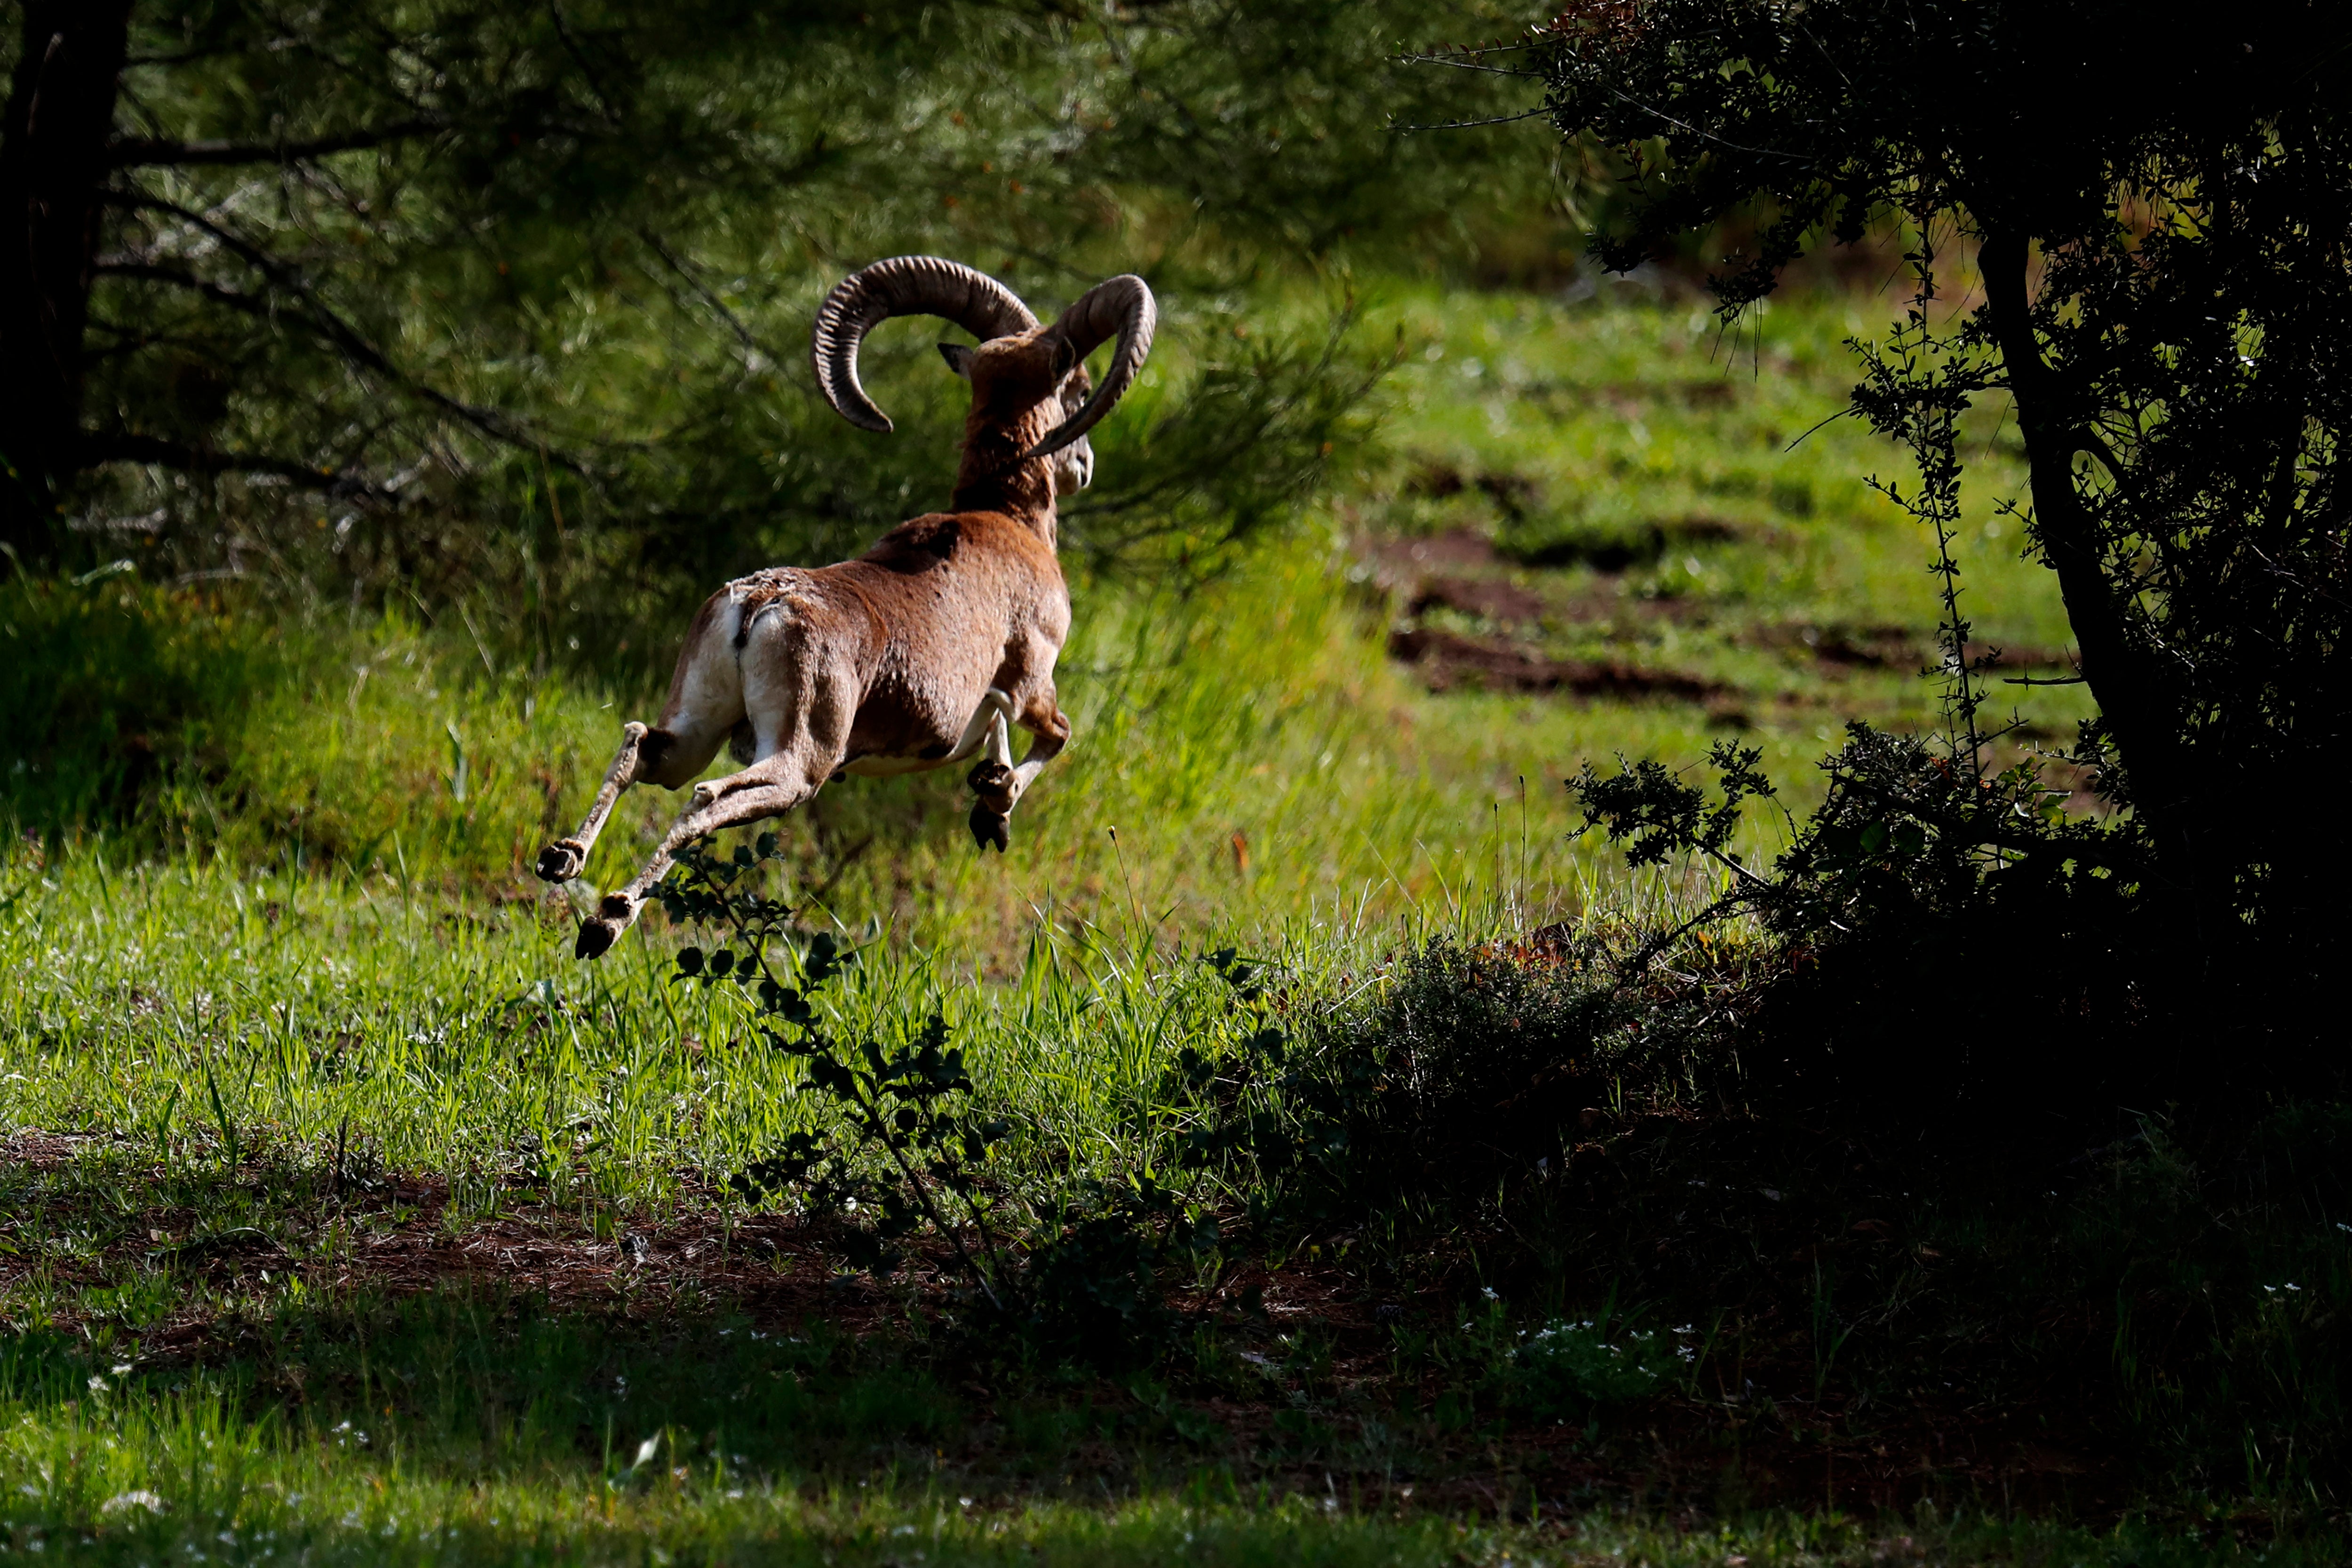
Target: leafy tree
2162,227
436,288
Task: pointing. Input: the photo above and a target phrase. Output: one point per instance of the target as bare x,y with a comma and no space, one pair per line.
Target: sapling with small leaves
915,1145
908,1105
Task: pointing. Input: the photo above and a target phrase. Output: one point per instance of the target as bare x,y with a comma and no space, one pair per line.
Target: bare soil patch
1403,560
1899,648
1491,598
1448,660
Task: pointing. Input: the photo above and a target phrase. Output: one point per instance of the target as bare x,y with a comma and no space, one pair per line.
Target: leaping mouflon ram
921,652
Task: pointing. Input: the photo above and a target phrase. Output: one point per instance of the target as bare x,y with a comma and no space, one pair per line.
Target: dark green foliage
1659,816
2228,1269
1807,1174
2125,1291
1093,1288
1566,1368
1909,880
1463,1083
903,1103
2167,305
1476,1063
483,1378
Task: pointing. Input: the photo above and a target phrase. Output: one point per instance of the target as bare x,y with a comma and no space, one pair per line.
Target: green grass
469,1429
280,973
182,1006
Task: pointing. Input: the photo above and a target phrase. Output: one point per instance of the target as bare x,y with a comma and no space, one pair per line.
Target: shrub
1466,1079
1915,883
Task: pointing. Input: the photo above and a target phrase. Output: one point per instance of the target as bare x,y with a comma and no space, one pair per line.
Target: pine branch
130,446
346,338
148,151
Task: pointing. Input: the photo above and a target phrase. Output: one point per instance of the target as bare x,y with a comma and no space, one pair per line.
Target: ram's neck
993,476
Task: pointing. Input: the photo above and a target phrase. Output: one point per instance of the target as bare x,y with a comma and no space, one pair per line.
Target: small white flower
125,1501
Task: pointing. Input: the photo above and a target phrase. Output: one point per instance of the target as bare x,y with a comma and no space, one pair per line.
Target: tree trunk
53,142
2142,713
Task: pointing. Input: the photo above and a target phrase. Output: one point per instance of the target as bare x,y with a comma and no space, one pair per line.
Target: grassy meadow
348,1219
1613,483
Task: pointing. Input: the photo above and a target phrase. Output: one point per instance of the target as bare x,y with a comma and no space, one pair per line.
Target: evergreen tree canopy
442,286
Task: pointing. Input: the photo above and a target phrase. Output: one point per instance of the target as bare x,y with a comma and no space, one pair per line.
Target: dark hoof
990,828
993,782
561,861
615,914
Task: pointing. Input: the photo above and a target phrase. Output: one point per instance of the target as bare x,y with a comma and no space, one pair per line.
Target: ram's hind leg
566,858
810,733
706,704
617,911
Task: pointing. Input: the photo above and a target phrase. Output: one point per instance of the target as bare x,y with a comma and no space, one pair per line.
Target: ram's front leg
999,785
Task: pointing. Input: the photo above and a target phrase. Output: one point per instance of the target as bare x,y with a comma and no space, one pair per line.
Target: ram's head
1017,367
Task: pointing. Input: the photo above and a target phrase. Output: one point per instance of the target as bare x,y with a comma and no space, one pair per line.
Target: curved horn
903,286
1122,305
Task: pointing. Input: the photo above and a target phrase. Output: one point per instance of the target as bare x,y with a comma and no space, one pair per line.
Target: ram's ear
958,358
1065,356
